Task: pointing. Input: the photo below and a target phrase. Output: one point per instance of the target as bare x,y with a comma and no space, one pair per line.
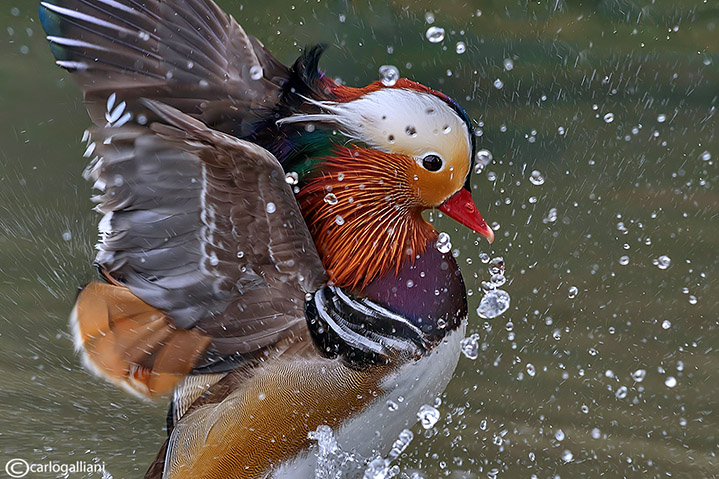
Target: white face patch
401,121
407,122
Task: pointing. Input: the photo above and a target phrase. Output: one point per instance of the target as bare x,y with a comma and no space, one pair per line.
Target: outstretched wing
188,54
205,233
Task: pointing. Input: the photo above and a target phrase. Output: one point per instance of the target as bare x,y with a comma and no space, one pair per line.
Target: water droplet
692,299
428,416
240,254
662,118
392,406
388,74
497,280
292,178
536,178
624,260
484,258
410,130
567,456
493,304
706,156
559,435
596,433
663,262
573,292
271,207
435,34
551,216
444,243
482,159
532,200
256,72
609,117
621,392
66,235
497,265
508,64
331,199
470,346
339,220
666,324
460,48
639,375
531,370
670,382
498,84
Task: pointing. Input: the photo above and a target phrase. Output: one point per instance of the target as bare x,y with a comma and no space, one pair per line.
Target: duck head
370,161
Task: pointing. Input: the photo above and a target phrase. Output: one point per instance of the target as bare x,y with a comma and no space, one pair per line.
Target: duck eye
432,162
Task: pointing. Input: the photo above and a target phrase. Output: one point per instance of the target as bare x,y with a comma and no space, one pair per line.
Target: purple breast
430,293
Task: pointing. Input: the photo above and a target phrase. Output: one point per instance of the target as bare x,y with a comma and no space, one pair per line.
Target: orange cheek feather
432,189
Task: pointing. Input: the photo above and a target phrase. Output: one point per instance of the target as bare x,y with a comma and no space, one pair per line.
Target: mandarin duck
263,255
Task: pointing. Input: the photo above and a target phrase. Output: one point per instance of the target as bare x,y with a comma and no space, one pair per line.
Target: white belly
373,431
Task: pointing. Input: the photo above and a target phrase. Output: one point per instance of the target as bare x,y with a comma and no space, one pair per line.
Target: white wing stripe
72,65
85,18
71,42
119,6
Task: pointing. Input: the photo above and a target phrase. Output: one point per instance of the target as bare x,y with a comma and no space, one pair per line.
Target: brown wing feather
189,54
202,234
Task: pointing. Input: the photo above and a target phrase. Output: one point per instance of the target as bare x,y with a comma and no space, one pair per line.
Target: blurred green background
613,101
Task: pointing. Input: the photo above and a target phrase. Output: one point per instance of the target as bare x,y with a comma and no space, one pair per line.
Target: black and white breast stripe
360,331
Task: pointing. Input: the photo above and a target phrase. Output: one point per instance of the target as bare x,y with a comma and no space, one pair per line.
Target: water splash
493,304
428,416
381,468
470,346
